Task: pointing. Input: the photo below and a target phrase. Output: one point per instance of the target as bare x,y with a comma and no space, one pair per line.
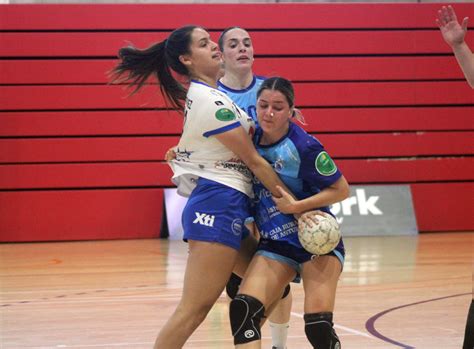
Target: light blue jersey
305,167
246,99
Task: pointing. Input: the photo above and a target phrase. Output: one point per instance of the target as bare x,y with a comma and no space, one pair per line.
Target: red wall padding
309,43
158,174
277,16
79,159
343,68
155,122
80,214
444,207
99,214
79,149
52,97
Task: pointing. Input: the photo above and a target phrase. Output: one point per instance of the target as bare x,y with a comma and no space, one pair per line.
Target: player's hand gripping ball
318,232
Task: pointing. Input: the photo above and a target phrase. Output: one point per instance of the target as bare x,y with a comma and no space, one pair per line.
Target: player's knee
320,332
245,315
193,313
286,292
232,286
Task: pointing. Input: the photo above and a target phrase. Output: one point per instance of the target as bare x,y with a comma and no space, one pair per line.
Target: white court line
150,343
348,329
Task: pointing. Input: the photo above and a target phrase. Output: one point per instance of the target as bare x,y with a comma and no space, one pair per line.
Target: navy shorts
292,255
215,213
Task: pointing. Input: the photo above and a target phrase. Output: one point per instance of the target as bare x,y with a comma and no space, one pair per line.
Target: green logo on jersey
225,114
324,164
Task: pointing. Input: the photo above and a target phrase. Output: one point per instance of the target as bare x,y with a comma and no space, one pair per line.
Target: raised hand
453,32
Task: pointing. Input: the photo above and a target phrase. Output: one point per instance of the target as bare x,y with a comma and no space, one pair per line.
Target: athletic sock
279,334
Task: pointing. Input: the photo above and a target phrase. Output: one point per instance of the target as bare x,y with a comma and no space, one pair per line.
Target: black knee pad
286,292
245,315
320,332
232,286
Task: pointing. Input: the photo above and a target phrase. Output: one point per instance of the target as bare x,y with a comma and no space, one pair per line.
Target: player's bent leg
320,331
245,314
279,320
320,278
247,250
232,286
195,304
264,286
248,246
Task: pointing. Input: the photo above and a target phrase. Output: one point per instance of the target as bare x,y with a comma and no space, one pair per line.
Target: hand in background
453,32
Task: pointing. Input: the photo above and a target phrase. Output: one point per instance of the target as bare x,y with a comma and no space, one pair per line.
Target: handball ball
318,232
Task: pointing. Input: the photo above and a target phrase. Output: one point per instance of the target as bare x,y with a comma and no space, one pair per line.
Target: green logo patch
225,114
324,164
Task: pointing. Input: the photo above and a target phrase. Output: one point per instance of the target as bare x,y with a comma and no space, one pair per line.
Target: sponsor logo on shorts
324,164
249,334
204,219
237,226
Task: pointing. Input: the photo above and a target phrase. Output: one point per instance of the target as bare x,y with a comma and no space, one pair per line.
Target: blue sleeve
317,168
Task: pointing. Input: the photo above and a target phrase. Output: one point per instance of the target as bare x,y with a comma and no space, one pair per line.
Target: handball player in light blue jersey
308,170
241,85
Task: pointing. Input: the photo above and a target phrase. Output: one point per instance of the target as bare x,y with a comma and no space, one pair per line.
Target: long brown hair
136,65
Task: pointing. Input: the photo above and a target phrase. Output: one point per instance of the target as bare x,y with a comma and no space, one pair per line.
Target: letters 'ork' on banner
376,210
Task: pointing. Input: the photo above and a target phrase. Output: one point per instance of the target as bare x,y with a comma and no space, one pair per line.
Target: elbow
345,193
345,190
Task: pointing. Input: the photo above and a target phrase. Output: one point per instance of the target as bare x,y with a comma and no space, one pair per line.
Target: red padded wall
81,160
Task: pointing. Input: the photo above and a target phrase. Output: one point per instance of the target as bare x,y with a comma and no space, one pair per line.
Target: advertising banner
374,210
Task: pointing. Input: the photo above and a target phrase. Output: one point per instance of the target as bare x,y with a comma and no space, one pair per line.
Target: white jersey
209,112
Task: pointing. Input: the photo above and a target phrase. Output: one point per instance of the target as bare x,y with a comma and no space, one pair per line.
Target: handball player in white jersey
214,157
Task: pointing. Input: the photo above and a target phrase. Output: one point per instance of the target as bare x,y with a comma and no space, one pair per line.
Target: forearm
240,143
465,58
266,175
326,197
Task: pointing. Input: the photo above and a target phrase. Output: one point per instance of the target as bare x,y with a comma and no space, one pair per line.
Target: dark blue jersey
305,167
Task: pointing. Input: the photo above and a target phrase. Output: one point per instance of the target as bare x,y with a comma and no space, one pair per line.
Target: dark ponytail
136,66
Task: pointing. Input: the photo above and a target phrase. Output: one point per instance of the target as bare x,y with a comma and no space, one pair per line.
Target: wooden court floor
395,292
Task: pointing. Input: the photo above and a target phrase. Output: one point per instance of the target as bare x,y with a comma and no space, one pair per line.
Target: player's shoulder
304,142
200,92
297,133
258,81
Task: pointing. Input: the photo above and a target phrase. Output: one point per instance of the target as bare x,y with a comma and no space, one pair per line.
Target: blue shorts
215,213
292,255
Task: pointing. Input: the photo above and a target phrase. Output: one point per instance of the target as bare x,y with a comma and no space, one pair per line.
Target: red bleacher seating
81,160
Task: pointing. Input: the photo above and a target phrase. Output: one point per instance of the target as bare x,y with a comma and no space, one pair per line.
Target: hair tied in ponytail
298,115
